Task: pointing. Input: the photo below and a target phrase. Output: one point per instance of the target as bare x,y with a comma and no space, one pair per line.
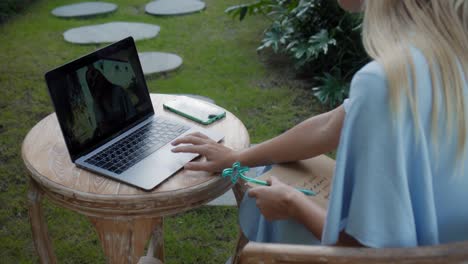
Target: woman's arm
307,212
317,135
280,201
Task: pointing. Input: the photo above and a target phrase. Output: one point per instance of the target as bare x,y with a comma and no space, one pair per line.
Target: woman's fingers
199,149
271,180
190,139
199,134
256,191
216,154
200,166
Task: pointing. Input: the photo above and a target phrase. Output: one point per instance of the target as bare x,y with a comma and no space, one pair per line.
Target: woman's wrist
307,212
236,156
233,157
293,200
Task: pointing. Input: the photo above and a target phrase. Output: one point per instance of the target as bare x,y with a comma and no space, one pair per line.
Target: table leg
123,239
40,234
156,246
155,251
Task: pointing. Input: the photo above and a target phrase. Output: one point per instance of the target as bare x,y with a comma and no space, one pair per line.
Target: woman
401,138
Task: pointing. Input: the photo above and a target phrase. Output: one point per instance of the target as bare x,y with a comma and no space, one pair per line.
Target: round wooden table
124,216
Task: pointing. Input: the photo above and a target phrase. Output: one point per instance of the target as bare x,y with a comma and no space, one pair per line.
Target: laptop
108,122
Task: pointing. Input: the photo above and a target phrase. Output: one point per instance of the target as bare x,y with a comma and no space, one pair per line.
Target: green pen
238,171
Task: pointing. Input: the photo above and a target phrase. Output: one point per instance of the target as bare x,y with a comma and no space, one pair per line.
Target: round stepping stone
173,7
84,9
110,32
159,62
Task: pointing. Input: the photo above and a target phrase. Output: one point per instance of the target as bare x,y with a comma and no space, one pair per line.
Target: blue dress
392,187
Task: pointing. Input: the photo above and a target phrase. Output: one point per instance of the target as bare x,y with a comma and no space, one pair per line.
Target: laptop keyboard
136,146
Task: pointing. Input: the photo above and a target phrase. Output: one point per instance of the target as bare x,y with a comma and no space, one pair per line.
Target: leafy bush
323,40
332,91
8,8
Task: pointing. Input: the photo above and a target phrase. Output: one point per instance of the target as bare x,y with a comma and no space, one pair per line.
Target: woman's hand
275,201
218,157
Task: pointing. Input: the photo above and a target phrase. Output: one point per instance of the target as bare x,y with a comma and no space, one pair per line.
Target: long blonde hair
439,28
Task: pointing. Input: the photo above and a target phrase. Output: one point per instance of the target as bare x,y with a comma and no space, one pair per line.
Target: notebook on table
108,122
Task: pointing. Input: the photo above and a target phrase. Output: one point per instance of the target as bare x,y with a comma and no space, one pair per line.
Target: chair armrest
284,253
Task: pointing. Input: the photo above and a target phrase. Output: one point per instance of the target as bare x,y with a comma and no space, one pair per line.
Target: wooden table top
46,157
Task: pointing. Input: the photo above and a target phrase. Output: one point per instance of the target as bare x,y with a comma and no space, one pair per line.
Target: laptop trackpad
157,167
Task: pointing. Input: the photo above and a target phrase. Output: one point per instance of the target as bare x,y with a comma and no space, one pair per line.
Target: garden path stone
84,9
174,7
110,32
159,62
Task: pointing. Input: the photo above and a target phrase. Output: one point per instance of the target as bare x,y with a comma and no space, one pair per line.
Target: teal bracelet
237,171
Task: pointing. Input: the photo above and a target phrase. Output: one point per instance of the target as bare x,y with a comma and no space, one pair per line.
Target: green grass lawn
220,61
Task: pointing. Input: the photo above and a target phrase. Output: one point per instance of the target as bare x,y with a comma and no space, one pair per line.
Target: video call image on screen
102,97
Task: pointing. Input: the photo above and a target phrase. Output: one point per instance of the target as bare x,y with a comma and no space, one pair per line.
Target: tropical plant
318,35
257,7
332,91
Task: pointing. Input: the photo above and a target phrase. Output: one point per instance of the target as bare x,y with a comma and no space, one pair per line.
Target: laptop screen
99,96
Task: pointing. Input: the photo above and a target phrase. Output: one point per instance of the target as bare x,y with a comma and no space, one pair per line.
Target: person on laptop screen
109,101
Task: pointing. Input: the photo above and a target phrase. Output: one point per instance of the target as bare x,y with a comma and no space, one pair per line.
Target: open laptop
108,121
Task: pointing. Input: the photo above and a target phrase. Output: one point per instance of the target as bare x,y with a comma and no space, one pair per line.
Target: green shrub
332,90
323,41
8,8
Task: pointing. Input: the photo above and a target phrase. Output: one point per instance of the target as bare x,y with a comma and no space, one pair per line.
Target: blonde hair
439,29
